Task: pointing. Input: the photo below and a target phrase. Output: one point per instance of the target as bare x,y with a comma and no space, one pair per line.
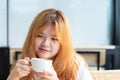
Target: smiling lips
44,50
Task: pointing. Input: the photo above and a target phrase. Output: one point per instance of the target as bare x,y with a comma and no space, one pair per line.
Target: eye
54,39
39,35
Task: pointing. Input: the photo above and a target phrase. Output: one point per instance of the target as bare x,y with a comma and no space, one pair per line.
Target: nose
46,42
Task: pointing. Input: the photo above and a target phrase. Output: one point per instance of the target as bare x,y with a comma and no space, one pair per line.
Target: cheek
57,47
37,44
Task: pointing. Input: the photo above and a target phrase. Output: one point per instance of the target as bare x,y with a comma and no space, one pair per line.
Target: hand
20,70
45,75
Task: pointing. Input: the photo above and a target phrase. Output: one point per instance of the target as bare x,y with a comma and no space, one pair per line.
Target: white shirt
83,73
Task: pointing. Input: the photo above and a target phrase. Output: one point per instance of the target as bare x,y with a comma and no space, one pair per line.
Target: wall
3,23
89,20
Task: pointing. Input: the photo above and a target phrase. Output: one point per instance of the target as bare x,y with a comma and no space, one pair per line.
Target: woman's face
46,43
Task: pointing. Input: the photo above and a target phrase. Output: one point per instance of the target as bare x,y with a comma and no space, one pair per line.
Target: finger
21,66
53,68
21,71
27,58
24,61
47,77
25,67
24,73
47,74
53,72
36,75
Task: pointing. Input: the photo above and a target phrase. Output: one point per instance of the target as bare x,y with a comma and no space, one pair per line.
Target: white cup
40,65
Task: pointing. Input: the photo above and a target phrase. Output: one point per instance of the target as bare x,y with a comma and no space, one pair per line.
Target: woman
49,37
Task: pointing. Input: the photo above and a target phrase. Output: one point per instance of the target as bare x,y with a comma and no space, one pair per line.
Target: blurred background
95,26
92,21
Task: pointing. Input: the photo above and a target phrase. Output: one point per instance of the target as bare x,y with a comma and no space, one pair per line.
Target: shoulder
80,60
83,72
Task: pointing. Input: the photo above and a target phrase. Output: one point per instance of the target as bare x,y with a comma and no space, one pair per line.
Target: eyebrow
44,34
41,33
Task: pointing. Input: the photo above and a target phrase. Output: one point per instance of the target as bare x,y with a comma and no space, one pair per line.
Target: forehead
49,29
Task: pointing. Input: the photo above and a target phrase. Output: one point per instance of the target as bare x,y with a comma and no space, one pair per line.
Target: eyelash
54,39
39,36
51,38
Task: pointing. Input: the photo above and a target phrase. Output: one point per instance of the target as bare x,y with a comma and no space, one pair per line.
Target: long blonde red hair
64,62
